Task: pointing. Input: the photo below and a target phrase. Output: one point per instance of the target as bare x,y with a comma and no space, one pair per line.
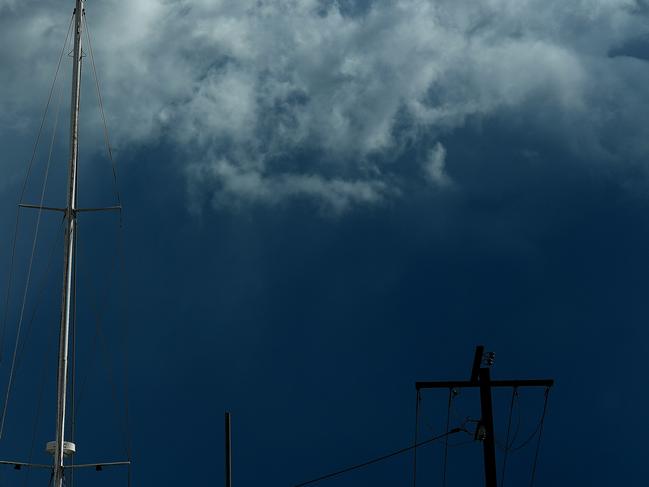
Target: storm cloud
268,101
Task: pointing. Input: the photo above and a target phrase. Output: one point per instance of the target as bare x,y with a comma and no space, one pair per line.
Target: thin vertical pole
414,456
69,256
489,443
228,450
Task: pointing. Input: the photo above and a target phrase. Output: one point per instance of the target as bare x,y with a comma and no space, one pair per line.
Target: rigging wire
39,403
39,299
24,189
30,266
103,114
508,443
120,232
381,458
538,443
100,338
414,465
124,283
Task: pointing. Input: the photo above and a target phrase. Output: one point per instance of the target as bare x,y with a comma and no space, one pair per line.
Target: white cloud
245,87
247,185
435,166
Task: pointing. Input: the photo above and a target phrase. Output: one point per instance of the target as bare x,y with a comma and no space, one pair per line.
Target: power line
538,443
448,419
507,439
381,458
538,427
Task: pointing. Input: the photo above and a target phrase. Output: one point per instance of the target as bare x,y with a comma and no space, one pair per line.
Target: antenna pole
69,257
228,450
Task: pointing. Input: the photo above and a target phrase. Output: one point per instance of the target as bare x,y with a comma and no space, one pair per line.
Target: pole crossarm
65,210
105,208
39,207
447,384
19,465
98,466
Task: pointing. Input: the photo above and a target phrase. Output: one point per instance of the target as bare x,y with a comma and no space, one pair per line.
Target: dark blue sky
303,276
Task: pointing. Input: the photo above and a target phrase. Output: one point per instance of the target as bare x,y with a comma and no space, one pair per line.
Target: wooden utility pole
481,378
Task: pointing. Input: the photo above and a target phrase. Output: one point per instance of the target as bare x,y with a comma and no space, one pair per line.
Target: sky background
325,201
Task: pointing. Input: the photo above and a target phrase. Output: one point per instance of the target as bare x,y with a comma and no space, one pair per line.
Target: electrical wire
530,438
538,443
507,439
381,458
461,443
414,466
448,420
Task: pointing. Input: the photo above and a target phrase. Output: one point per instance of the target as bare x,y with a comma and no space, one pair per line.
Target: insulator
490,359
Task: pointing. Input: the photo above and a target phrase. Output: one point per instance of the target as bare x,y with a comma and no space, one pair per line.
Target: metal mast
68,263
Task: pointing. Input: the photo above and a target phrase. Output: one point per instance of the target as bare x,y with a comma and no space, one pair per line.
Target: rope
30,267
414,465
448,420
381,458
23,190
508,444
103,114
538,443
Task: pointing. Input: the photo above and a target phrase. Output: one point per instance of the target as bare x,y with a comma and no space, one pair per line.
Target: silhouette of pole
481,378
228,450
487,421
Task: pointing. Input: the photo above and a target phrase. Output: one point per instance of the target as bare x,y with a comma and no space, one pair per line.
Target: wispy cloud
435,167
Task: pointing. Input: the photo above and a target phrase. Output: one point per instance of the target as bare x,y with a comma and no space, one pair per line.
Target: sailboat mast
69,257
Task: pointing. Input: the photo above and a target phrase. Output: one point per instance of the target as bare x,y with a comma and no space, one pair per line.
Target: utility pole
228,450
481,379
